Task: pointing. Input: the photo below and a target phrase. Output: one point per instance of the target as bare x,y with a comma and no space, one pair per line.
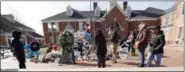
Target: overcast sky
31,13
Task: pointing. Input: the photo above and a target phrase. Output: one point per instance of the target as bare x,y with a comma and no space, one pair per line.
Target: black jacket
101,45
157,43
19,50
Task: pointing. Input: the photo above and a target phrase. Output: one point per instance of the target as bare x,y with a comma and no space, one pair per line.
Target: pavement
173,58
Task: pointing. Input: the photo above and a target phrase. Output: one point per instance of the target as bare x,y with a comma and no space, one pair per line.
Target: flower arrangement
65,39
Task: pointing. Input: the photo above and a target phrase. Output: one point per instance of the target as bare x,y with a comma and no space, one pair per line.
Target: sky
31,13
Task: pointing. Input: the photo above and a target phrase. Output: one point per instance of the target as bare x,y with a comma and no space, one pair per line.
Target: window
49,27
53,25
56,27
163,21
180,33
183,10
172,17
80,26
167,20
69,28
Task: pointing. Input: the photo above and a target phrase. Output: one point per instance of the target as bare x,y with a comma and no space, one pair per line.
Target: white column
80,26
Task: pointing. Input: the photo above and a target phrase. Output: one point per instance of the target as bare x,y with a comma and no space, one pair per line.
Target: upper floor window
57,27
167,20
80,26
183,10
53,27
180,32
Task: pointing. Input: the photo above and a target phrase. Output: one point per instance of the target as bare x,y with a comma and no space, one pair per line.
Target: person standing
141,42
156,45
100,42
19,49
114,40
131,40
116,26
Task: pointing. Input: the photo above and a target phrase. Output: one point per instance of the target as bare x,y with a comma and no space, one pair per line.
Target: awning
166,26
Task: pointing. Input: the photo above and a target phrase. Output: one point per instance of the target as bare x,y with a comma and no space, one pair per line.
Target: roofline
167,14
23,26
138,19
72,20
116,5
6,34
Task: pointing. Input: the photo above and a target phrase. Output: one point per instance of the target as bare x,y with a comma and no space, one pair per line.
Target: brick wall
46,33
115,13
62,25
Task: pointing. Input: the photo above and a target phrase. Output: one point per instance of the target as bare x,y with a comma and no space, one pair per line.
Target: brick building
78,19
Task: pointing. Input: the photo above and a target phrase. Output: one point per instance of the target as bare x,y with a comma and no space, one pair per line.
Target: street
173,57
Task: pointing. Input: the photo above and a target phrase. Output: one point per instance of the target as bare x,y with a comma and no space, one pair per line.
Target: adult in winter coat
156,45
114,40
19,49
101,48
141,40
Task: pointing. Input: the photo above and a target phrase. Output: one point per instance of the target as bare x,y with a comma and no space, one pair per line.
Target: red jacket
142,36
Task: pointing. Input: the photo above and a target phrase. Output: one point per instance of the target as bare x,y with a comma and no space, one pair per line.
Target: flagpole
91,20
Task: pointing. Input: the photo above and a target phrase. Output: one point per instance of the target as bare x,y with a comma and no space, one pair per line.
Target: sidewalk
109,69
173,60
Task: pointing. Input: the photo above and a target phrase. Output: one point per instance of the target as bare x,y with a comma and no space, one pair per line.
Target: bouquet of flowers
66,38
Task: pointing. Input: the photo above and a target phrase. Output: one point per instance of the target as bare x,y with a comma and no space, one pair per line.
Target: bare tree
15,13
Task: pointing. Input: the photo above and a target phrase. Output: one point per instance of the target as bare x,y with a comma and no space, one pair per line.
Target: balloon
35,46
54,47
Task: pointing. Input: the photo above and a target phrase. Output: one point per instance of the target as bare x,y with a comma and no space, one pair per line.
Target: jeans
156,57
114,55
131,47
101,61
142,53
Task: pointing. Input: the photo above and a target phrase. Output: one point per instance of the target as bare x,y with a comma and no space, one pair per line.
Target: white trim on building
73,20
141,19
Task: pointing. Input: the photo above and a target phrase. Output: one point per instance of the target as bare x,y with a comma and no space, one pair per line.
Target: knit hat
156,27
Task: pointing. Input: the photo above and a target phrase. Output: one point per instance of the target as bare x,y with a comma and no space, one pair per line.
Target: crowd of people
139,42
134,41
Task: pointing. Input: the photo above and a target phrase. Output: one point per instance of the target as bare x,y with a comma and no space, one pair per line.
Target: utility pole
25,32
92,31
